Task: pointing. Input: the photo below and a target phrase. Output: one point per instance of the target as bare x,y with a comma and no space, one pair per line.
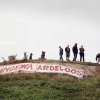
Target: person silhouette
75,52
98,58
81,52
60,53
30,57
67,51
43,55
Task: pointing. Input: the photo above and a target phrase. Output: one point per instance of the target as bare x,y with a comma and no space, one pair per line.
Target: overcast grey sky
43,25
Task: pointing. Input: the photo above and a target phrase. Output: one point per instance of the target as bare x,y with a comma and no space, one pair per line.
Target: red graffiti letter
39,68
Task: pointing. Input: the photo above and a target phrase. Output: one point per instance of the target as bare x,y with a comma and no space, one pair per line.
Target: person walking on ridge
60,53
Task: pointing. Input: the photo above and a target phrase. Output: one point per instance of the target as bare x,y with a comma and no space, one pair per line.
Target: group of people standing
75,52
67,50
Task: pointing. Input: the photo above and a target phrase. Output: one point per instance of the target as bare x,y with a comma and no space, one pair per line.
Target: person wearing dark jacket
67,51
30,56
81,52
75,52
60,53
98,57
43,55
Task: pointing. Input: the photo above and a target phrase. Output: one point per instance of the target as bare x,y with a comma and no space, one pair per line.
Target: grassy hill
47,87
39,86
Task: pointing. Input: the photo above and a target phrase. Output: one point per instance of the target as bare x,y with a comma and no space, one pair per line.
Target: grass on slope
41,87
